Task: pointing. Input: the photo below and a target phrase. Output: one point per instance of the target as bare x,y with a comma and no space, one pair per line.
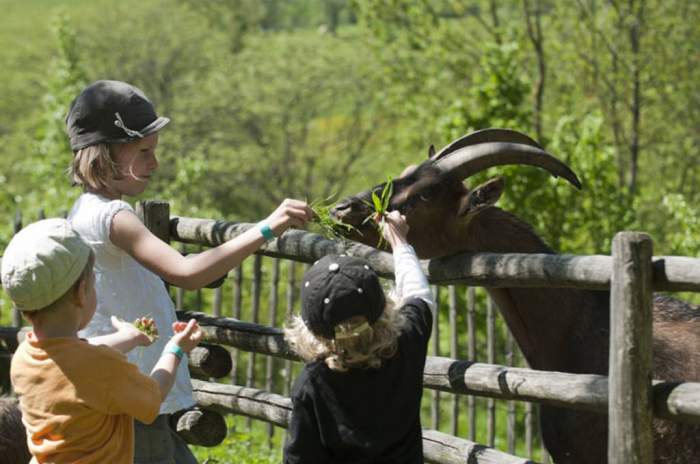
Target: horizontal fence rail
270,407
678,401
670,273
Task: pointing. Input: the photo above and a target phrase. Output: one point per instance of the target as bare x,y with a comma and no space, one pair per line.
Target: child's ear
80,291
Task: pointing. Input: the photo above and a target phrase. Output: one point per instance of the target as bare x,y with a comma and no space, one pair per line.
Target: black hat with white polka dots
337,288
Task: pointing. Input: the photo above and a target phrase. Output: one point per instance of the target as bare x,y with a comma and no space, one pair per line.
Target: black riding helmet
111,112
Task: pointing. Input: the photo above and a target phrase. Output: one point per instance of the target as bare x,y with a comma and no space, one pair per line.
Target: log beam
200,427
209,361
587,392
669,273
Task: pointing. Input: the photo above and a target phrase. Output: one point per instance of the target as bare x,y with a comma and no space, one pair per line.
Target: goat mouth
348,214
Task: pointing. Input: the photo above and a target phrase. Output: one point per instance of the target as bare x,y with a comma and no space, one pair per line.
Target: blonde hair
93,166
359,345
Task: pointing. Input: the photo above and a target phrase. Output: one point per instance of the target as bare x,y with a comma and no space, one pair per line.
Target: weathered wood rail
587,392
669,273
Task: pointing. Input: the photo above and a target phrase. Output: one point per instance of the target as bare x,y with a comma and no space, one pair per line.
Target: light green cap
42,262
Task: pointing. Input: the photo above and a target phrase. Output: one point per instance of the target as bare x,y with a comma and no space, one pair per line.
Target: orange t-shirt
78,401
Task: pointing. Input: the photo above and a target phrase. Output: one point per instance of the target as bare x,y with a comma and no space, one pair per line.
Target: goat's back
676,358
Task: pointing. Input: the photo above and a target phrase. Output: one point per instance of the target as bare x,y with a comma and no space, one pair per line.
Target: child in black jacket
357,399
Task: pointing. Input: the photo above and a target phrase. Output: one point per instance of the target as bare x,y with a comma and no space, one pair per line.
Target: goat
564,330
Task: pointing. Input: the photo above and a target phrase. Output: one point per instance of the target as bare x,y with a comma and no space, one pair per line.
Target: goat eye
423,197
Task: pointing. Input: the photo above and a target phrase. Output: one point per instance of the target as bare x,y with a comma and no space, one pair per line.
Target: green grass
324,223
380,206
244,445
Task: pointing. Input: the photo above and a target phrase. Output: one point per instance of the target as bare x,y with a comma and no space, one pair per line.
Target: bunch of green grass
328,226
380,206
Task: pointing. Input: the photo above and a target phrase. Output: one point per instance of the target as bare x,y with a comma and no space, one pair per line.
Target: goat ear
431,151
481,197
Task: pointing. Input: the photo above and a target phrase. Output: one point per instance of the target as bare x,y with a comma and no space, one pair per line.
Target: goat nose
342,209
335,210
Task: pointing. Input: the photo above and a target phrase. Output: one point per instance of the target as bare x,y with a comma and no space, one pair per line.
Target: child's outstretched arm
409,277
126,337
197,270
187,336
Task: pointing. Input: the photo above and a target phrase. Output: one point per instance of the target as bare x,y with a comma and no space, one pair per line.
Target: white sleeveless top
127,290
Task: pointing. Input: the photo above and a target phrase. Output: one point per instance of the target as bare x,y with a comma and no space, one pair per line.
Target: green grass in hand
147,326
380,206
328,226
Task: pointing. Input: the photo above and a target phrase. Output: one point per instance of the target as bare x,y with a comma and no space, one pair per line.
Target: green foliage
576,221
47,164
683,226
44,187
496,97
243,445
295,124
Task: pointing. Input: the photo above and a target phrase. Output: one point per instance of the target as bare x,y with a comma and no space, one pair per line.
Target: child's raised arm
195,271
124,339
410,280
187,336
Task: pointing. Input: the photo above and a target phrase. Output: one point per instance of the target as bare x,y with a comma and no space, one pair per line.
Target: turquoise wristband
265,230
175,349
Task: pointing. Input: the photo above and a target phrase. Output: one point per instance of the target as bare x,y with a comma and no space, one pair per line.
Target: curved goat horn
486,135
471,159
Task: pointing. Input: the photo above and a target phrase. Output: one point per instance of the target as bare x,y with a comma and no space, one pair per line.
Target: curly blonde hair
357,344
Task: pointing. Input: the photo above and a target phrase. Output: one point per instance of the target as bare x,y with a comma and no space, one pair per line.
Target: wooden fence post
435,339
255,309
491,358
291,287
630,406
236,306
471,353
270,361
155,215
454,352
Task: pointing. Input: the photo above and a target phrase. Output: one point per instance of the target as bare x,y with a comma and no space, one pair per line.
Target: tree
295,124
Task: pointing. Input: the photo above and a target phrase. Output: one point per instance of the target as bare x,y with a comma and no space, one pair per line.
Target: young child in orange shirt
78,397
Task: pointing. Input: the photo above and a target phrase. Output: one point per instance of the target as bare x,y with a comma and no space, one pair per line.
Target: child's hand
394,227
187,335
129,332
147,326
290,213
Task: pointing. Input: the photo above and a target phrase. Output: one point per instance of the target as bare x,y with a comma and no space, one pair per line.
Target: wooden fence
261,393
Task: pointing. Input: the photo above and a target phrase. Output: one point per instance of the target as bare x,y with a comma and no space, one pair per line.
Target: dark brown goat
564,330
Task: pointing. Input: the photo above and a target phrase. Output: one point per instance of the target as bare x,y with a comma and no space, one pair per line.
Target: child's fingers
300,214
393,215
179,326
395,218
196,336
302,208
189,328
